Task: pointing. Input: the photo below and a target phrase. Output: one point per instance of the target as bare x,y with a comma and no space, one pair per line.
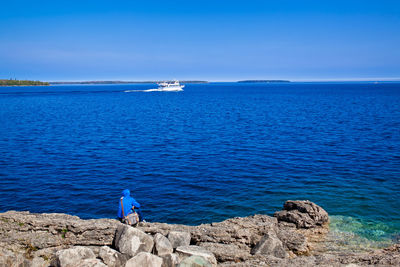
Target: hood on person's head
126,193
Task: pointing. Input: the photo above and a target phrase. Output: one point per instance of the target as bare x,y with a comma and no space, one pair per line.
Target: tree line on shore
14,82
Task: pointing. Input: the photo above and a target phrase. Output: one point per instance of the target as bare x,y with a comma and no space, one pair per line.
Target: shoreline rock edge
295,236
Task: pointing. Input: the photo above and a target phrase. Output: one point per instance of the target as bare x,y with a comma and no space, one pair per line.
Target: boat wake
151,90
173,86
138,91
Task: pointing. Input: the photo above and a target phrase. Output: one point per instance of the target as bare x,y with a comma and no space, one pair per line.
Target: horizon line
374,79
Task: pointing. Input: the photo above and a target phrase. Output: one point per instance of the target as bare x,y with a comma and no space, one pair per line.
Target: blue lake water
208,153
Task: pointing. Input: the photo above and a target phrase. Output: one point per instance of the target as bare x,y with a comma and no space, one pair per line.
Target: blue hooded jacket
128,202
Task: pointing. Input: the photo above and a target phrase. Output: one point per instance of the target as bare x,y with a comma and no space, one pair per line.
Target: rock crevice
290,238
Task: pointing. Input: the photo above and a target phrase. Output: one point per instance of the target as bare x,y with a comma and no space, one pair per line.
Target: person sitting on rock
129,204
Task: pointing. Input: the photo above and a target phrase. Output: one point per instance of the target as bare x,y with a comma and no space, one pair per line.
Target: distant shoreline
121,82
147,82
264,81
16,83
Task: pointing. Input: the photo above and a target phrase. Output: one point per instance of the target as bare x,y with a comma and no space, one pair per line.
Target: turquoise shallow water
360,234
211,152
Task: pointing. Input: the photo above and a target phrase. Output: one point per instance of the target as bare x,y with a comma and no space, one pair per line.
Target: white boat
173,86
170,86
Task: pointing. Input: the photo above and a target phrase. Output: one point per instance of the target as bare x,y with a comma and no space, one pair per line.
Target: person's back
128,203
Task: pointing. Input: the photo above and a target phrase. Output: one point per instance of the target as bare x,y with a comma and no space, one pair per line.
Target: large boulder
270,245
170,260
131,241
303,213
162,246
178,239
111,257
195,261
72,256
187,251
144,259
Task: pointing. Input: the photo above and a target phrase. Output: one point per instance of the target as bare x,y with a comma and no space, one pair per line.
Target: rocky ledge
295,236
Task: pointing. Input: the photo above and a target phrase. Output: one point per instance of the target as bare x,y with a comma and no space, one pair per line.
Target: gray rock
244,231
130,241
187,251
48,254
294,241
111,257
52,230
178,239
11,259
195,261
163,228
303,213
170,260
39,262
270,245
144,259
28,239
71,256
90,263
162,246
227,252
383,257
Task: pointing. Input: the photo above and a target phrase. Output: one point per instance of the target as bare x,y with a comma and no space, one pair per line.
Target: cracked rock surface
296,236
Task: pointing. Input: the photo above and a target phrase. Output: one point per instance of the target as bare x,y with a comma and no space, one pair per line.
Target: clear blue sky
210,40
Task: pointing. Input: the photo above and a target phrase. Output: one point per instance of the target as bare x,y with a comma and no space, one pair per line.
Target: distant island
14,82
264,81
121,82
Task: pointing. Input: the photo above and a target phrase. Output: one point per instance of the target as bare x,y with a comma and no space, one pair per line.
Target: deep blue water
211,152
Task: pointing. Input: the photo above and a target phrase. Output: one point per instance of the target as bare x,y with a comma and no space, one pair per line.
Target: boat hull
171,89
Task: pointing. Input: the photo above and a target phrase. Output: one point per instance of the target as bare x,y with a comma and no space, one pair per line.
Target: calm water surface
211,152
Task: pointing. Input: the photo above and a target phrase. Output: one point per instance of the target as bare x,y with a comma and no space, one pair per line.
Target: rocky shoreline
295,236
